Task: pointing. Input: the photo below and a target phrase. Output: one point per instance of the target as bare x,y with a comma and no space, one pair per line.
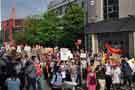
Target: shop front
119,33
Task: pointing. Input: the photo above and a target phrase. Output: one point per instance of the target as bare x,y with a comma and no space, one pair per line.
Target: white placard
65,54
83,55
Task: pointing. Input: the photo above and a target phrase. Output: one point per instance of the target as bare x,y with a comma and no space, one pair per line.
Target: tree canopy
51,30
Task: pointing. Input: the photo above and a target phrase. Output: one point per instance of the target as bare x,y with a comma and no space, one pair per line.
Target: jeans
31,83
108,81
133,78
127,79
78,80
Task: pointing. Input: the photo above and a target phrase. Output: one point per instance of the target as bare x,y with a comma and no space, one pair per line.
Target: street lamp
90,17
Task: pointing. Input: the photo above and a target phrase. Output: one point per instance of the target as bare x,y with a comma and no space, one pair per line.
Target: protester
127,73
116,77
91,80
133,70
100,74
31,75
13,82
108,75
83,67
57,79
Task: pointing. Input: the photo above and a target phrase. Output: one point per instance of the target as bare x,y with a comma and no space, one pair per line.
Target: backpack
38,70
92,79
32,73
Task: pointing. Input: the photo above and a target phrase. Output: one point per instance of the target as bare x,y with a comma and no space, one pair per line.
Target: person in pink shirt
91,80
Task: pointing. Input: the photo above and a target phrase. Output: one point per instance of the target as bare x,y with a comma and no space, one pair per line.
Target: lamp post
90,17
85,22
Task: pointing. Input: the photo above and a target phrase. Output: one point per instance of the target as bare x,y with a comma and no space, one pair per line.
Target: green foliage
51,30
73,23
20,37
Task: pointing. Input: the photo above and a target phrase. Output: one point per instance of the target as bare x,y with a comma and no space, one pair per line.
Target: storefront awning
120,25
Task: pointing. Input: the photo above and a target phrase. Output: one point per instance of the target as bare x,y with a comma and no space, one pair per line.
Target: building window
111,9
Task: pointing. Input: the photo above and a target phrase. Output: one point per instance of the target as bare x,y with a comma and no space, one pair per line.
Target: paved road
47,86
121,88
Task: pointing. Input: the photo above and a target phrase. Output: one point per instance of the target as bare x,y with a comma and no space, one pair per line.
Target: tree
73,23
51,30
20,37
30,34
51,27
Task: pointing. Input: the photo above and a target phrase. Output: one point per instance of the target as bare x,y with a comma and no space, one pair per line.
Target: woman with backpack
13,82
91,80
39,74
30,72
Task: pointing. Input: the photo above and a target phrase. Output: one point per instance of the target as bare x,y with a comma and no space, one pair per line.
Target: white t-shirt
108,69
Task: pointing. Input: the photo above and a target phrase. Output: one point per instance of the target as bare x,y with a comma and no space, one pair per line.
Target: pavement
125,87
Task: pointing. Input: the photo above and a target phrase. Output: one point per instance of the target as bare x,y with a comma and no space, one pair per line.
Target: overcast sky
23,7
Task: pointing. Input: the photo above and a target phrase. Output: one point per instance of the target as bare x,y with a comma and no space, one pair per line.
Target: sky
23,8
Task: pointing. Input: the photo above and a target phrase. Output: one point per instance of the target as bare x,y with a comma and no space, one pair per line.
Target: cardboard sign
83,55
65,54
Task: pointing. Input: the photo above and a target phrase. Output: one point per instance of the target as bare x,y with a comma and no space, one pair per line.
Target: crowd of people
28,68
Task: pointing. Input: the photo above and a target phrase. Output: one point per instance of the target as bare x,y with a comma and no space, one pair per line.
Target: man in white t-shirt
83,68
108,75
